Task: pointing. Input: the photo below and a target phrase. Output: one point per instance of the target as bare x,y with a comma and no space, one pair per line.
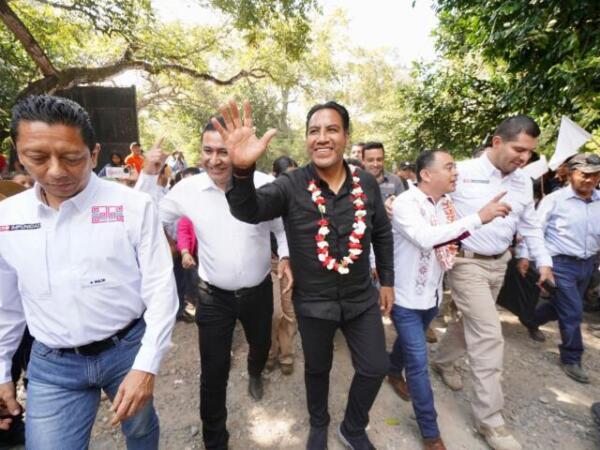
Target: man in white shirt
478,273
425,233
571,221
234,266
85,263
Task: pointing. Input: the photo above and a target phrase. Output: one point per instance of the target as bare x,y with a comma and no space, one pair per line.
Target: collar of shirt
424,198
488,168
315,175
80,201
205,183
570,193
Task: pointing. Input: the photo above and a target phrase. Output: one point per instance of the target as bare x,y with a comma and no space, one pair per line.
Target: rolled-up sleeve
158,292
12,319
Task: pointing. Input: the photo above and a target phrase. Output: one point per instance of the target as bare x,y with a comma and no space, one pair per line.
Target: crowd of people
334,244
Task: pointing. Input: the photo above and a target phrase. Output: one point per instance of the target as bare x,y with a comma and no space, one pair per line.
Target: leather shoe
536,334
596,412
433,444
255,387
317,438
399,386
576,372
360,442
270,365
286,369
430,336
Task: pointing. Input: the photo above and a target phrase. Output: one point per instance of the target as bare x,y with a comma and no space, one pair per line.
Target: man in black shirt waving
332,213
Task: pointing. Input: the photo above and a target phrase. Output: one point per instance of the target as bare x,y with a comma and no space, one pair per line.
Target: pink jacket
186,236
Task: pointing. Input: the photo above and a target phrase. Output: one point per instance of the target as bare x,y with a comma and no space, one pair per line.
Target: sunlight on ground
572,398
269,430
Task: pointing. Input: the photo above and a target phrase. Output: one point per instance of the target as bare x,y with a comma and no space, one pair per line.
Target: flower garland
359,226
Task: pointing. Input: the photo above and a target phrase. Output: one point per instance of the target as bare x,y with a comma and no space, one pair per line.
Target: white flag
570,137
537,168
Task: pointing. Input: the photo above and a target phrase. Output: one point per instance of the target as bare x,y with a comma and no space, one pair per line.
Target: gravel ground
545,409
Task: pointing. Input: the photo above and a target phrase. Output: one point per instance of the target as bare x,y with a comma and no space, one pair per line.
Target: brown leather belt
468,254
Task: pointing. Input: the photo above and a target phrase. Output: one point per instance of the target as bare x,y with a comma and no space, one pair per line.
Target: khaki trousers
475,284
284,325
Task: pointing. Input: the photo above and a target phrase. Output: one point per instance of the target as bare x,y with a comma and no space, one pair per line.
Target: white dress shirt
571,224
479,181
83,272
231,254
418,273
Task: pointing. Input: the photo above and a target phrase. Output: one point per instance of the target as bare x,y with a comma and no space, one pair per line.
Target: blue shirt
571,224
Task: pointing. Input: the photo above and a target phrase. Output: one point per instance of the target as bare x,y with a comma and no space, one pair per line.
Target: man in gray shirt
373,156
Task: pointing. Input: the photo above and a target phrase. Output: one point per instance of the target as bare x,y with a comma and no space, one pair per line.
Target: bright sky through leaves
394,24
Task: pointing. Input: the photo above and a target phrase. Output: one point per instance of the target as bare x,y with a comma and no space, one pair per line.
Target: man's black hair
282,164
425,160
372,145
511,127
210,127
341,110
52,110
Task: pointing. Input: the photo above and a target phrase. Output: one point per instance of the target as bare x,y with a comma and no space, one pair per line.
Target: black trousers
366,340
216,315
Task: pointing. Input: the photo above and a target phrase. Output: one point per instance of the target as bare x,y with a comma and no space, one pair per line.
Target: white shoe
451,378
499,438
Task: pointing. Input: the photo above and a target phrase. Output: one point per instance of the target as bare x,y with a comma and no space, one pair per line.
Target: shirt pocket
32,268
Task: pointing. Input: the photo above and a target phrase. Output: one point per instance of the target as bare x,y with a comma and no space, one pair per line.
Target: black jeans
216,316
366,340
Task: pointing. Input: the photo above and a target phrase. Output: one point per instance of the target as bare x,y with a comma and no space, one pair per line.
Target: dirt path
545,408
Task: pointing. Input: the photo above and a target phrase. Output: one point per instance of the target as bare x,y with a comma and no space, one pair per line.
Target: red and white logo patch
105,214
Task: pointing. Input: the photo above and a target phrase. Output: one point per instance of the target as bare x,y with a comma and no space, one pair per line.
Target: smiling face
215,158
56,157
508,156
373,162
326,138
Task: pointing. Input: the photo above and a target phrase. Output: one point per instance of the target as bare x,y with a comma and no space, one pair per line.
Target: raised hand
155,158
495,208
240,139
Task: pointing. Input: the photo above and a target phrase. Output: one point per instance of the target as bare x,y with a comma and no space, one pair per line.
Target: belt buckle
468,254
76,351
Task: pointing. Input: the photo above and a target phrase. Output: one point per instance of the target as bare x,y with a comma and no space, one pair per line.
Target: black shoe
317,438
536,334
185,317
596,413
361,442
576,372
255,387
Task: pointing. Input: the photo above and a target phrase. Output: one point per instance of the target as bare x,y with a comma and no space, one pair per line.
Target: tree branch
75,76
31,46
